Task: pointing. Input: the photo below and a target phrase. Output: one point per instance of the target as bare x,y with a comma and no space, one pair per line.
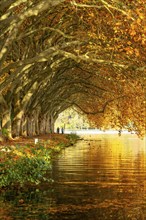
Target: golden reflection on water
114,170
110,152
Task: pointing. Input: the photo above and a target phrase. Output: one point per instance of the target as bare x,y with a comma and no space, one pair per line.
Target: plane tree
57,54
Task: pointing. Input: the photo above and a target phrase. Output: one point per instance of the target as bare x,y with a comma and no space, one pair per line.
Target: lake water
102,177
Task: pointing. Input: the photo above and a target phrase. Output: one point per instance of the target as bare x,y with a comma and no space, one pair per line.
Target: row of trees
56,54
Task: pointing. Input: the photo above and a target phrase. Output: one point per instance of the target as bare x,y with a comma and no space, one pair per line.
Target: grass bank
22,162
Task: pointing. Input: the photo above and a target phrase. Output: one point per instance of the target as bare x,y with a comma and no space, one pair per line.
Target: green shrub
29,165
24,170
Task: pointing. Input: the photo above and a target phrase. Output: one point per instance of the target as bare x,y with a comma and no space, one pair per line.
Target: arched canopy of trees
56,54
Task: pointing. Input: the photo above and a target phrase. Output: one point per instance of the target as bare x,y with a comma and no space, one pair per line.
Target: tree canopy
90,54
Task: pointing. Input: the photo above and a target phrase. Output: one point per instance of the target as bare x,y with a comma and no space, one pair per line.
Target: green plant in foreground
28,164
24,165
24,170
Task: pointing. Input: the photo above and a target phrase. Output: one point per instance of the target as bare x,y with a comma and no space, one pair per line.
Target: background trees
57,54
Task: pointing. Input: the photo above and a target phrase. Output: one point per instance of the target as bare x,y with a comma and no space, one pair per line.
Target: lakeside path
53,138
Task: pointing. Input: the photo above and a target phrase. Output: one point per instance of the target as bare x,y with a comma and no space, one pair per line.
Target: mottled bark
6,124
24,126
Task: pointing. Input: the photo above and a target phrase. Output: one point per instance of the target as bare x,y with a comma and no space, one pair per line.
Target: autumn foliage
58,54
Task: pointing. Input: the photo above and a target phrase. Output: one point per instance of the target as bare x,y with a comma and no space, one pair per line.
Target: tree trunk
18,113
41,124
5,118
48,124
29,126
17,124
36,121
33,126
6,124
51,124
24,126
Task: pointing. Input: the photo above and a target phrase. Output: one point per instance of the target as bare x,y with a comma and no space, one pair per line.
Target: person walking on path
58,130
62,130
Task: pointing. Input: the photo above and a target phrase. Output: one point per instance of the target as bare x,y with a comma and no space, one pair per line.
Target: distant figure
62,130
58,130
119,132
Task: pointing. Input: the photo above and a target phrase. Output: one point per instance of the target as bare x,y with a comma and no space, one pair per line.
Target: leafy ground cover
24,162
